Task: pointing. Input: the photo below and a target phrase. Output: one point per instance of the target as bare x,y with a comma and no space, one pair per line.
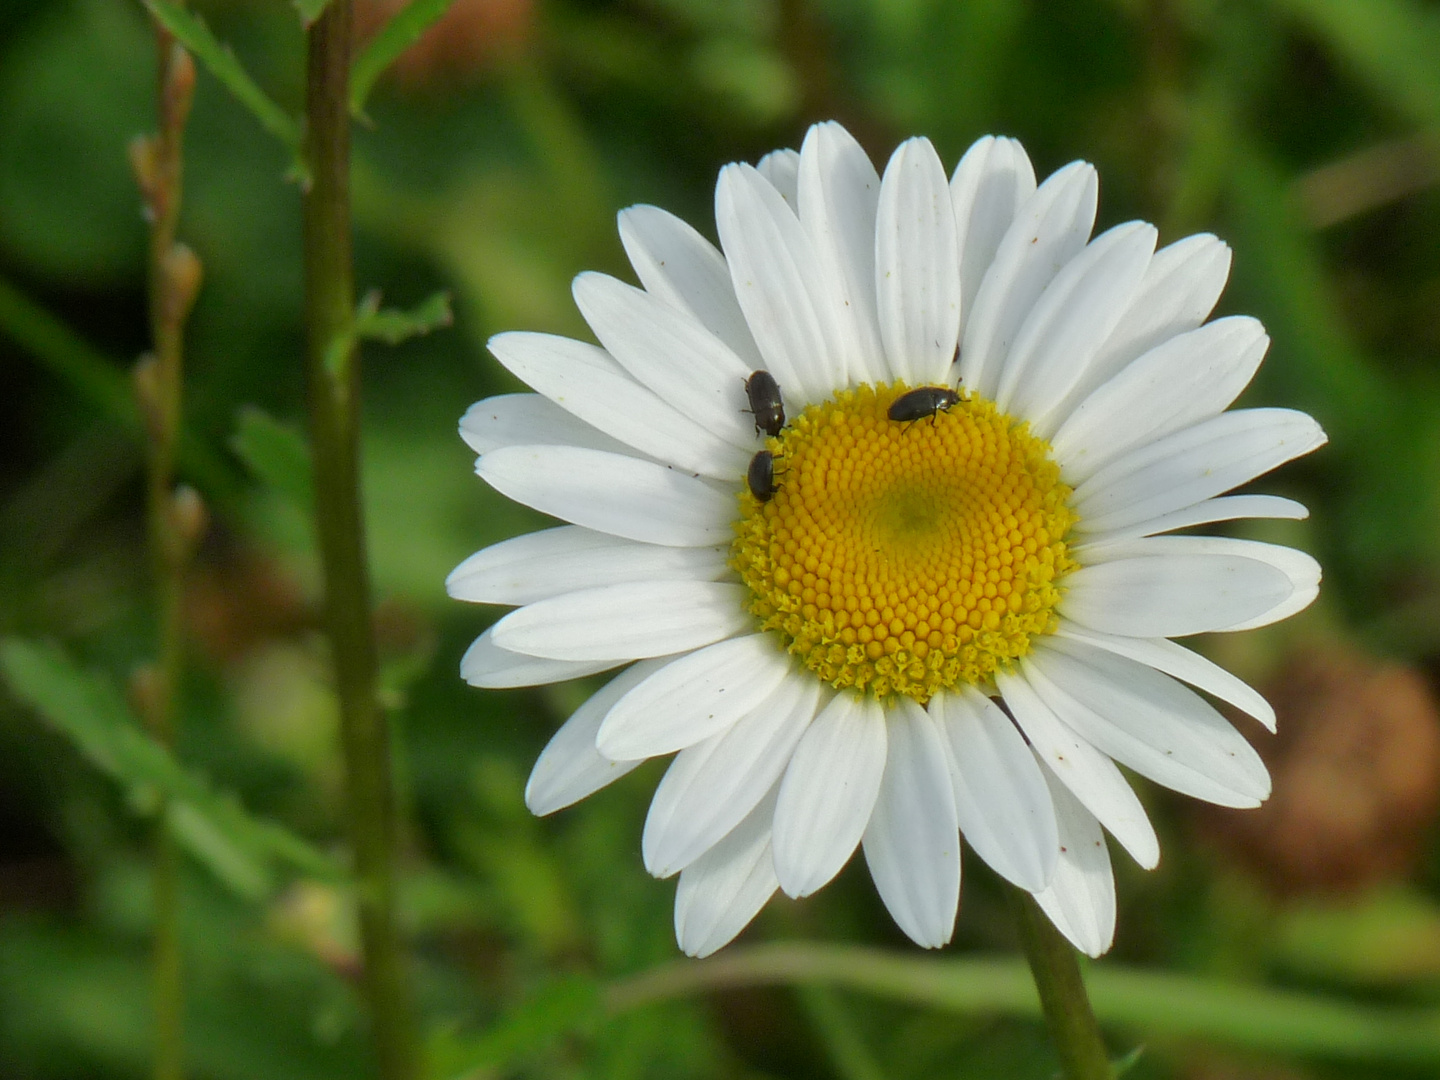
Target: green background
1306,133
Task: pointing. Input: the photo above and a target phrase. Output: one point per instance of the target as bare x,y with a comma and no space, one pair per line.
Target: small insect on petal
761,476
764,394
921,402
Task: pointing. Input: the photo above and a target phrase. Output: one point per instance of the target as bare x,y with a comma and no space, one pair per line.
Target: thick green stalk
1061,987
334,387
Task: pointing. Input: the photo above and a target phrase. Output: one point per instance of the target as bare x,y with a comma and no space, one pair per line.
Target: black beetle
761,476
921,402
764,394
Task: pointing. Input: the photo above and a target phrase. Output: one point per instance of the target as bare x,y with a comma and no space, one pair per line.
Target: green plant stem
1061,988
334,387
173,275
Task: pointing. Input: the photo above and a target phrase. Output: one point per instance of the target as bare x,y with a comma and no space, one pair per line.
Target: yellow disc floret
906,558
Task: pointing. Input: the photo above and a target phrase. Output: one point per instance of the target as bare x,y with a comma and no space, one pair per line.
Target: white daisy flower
896,632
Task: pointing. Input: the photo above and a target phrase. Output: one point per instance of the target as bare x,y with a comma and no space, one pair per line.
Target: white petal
1302,571
542,564
639,619
668,351
720,892
1070,321
827,793
487,665
713,784
1080,899
1001,800
587,382
839,191
1189,378
917,265
681,267
792,306
1148,721
1174,659
991,183
1180,288
527,419
912,844
1160,592
694,698
1049,230
612,493
1194,464
1089,774
1223,508
570,768
782,169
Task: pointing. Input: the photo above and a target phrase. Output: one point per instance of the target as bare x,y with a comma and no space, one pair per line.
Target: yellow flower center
905,558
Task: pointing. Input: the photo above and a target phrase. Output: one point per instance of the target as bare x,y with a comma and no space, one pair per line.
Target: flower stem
175,518
1062,993
334,386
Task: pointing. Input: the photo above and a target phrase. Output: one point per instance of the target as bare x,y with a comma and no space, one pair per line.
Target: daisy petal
1090,775
669,352
1070,321
542,564
612,493
828,792
991,183
1188,379
695,697
1299,569
588,383
631,621
570,768
681,267
1194,464
1223,508
792,306
1174,659
839,191
526,419
782,169
912,844
1001,800
1080,899
711,785
1180,289
917,265
720,892
1049,230
487,665
1159,592
1148,721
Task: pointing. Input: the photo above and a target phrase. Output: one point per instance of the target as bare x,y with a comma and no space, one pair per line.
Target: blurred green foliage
490,165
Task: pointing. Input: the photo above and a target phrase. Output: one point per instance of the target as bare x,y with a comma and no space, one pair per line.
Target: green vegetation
489,162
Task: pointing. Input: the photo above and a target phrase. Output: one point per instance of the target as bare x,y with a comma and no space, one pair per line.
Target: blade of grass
1159,1004
241,849
97,379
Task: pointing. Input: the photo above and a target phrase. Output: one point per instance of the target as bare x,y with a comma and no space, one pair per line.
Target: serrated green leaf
191,31
243,851
392,326
310,10
568,1005
277,455
397,35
